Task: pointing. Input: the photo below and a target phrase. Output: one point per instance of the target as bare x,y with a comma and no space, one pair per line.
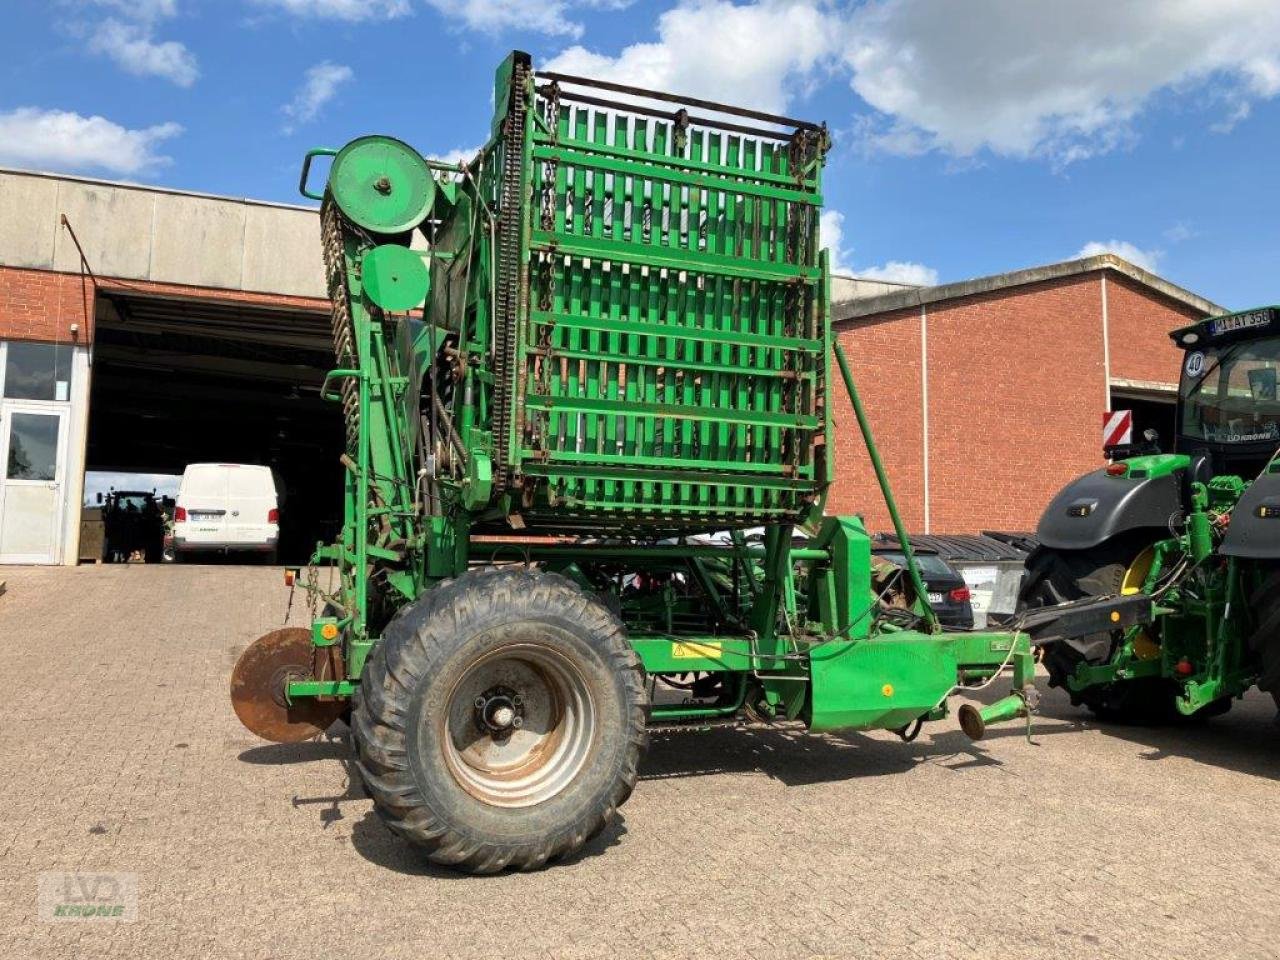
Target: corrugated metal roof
991,545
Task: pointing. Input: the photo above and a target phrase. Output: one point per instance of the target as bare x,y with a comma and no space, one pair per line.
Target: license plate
208,517
935,598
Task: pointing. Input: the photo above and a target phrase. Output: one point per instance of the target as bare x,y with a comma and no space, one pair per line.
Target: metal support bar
683,101
882,478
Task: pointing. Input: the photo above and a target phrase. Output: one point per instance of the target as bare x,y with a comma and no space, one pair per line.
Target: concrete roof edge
923,296
149,188
845,275
1127,383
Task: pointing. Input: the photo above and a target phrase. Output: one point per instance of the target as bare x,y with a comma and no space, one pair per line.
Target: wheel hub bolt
499,710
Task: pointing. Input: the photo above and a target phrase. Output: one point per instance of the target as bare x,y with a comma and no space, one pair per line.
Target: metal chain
549,169
553,111
544,298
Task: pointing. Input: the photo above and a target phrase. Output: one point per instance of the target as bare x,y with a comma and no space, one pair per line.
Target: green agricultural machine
586,385
1189,543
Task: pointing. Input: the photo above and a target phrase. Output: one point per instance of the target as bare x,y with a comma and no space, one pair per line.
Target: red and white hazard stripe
1117,427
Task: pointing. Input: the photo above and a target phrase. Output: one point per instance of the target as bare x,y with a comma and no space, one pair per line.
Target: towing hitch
1079,618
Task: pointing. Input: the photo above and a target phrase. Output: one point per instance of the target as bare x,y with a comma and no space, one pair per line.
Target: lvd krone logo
74,896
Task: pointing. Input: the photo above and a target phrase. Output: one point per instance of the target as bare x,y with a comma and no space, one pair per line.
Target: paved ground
123,754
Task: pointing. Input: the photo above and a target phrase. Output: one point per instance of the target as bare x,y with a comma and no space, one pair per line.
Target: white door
32,482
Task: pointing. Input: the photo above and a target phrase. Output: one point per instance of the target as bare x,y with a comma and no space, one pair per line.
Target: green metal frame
627,342
1199,640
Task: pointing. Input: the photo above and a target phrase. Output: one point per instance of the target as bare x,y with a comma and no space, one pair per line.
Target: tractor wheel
1266,637
1056,576
501,720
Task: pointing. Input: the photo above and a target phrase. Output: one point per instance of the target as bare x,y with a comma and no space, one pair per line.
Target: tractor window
1229,393
132,501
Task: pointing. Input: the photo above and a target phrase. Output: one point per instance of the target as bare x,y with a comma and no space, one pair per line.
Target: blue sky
971,138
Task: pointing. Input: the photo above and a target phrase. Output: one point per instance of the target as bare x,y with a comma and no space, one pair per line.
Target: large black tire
481,800
1057,576
1265,641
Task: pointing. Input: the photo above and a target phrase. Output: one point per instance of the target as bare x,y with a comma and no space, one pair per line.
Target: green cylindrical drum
382,184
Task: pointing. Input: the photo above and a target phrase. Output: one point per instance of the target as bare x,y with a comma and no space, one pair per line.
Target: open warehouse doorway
179,379
1154,408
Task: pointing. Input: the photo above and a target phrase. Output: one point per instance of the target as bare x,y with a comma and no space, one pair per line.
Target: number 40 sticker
1195,364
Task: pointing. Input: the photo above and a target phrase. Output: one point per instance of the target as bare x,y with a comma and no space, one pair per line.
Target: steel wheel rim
518,765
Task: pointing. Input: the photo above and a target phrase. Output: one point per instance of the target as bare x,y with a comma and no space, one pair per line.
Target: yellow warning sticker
692,651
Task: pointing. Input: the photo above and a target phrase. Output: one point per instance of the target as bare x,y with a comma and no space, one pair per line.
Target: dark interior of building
180,380
1150,412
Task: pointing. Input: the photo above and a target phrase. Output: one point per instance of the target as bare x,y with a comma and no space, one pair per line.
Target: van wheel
501,720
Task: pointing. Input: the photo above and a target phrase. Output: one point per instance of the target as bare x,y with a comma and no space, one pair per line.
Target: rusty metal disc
258,684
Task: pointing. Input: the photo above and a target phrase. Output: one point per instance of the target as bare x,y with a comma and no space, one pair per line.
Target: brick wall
1016,391
1140,322
40,305
884,354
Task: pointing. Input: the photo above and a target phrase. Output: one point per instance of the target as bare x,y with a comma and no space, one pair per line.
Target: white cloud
901,271
553,17
320,84
65,141
1180,232
457,155
148,11
1063,81
133,47
831,236
1146,259
342,9
759,54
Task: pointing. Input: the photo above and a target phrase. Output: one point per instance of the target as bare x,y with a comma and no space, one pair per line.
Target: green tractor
586,382
1195,532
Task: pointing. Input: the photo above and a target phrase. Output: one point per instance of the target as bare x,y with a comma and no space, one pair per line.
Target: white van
225,507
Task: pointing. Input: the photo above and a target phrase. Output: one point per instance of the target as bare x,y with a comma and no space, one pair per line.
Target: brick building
986,396
142,329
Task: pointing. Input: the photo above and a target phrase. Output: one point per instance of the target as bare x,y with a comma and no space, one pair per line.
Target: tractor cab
1228,405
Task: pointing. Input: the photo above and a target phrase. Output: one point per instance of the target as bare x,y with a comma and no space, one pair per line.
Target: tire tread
411,645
